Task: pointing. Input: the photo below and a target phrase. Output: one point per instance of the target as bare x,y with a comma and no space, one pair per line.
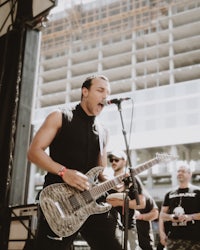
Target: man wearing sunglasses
118,160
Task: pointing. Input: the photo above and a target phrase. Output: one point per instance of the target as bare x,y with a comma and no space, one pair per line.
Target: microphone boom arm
116,101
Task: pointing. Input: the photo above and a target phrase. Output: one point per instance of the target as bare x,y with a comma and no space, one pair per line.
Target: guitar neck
103,187
145,166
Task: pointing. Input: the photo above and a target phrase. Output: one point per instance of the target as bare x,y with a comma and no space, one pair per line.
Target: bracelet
62,171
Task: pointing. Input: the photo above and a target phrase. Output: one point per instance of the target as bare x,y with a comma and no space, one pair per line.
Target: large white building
150,51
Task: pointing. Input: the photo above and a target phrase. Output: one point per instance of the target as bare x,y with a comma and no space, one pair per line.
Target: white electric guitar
66,208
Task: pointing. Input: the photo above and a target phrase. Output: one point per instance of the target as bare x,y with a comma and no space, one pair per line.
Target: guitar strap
103,135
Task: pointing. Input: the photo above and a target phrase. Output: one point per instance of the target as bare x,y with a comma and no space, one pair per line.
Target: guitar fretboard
101,188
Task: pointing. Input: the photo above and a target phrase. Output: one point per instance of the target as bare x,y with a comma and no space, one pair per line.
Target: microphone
116,101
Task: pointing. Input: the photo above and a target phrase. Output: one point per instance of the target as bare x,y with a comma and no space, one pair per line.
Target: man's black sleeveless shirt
76,145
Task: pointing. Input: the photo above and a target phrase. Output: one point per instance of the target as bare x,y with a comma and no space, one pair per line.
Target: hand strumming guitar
76,179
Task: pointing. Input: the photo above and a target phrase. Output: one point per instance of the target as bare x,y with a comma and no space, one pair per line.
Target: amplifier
23,225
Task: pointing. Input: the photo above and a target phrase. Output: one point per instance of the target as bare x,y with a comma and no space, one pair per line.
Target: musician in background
144,218
181,212
118,161
77,143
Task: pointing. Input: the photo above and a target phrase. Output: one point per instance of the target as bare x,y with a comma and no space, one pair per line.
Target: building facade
150,51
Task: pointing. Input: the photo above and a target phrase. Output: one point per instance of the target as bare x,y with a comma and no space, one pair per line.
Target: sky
62,4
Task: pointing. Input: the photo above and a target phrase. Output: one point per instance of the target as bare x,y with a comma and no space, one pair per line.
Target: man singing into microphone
77,143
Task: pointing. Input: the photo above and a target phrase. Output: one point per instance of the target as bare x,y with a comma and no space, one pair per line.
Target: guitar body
66,208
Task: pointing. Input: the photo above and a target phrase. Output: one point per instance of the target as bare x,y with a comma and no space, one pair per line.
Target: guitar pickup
87,196
74,202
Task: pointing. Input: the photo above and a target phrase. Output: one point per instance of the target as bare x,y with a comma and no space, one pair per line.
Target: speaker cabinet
22,226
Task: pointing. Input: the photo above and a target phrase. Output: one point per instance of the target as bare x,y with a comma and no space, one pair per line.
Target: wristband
62,171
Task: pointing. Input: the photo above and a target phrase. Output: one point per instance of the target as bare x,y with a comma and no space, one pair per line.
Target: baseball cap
119,154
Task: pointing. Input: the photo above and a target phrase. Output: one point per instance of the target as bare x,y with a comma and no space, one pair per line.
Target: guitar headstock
166,157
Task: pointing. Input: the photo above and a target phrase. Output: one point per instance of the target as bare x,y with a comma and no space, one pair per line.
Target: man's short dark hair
88,81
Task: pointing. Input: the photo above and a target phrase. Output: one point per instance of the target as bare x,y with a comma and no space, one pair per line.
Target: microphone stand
127,181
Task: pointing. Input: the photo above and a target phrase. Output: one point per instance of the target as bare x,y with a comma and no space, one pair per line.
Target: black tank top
76,145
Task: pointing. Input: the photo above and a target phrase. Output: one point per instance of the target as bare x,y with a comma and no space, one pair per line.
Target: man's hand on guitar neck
76,179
